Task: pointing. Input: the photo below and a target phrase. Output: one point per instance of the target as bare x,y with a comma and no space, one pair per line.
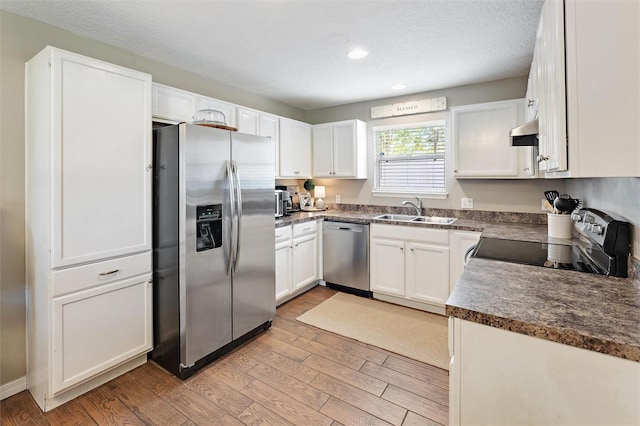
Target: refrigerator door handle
238,197
232,214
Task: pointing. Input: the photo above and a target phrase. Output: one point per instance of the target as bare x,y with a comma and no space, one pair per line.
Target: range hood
525,135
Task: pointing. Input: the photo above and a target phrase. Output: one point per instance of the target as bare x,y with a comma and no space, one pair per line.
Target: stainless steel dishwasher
345,254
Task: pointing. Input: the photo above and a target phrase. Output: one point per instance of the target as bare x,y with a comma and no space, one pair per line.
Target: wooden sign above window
408,108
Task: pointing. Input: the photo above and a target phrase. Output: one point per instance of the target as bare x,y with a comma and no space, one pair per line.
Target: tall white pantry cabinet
88,178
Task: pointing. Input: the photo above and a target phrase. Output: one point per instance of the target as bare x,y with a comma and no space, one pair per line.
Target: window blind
410,158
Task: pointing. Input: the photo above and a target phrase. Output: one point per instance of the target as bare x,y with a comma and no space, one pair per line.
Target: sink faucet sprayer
417,206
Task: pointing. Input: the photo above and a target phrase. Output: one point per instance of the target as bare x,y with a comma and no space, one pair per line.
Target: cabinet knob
401,248
531,102
542,158
149,166
412,248
455,170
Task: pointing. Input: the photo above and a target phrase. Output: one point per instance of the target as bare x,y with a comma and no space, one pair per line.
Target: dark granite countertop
589,311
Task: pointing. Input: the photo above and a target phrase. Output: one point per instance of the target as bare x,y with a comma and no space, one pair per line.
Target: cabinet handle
278,236
411,248
104,274
401,248
296,244
297,173
455,170
306,229
149,166
531,102
542,158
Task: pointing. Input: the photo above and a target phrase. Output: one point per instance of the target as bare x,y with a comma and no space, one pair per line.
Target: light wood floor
292,374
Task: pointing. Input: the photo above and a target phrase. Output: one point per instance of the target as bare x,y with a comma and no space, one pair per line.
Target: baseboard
12,388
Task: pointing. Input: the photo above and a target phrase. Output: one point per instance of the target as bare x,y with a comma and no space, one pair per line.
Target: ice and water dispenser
208,227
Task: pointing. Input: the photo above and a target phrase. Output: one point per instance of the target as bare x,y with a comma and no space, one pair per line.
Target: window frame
393,192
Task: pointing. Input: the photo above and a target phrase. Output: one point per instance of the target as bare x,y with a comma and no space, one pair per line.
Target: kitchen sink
423,219
435,219
398,217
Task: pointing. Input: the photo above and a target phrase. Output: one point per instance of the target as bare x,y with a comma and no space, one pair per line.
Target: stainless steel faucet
417,206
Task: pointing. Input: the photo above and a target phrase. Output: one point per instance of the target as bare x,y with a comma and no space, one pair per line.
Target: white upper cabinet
340,150
176,106
295,149
173,104
481,145
101,173
260,123
248,121
588,107
548,71
229,110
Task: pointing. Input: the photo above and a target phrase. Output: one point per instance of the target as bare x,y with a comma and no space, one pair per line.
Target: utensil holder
559,226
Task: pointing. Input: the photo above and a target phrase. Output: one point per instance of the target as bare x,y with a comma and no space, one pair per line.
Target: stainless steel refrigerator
214,243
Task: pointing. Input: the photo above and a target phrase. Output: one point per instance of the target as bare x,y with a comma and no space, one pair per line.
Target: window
410,157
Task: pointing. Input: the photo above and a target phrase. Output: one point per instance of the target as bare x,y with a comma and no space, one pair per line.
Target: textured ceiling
295,51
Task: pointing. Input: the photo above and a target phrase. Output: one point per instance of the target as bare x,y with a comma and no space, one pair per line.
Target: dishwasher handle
345,228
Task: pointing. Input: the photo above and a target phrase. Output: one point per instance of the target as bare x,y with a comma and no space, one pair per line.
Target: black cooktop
557,256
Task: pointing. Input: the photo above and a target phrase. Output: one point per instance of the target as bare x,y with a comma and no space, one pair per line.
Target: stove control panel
610,232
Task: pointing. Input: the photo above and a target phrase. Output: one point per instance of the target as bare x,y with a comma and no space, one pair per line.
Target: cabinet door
229,110
552,124
302,145
96,329
295,149
481,145
460,242
427,272
270,127
305,260
248,121
101,160
284,267
387,266
168,104
344,149
322,151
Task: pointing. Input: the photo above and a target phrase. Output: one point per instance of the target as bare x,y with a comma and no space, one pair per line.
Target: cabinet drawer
305,228
283,234
410,233
99,273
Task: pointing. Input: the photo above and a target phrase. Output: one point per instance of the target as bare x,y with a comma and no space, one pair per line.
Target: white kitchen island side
499,377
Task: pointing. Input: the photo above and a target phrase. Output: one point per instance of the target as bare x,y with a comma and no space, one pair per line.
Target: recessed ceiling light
399,86
358,54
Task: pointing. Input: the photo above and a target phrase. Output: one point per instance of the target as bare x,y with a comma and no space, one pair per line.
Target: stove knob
589,227
597,229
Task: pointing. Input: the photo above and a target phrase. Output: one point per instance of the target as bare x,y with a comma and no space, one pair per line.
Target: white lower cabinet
284,263
386,265
459,243
499,377
427,275
297,259
98,328
410,266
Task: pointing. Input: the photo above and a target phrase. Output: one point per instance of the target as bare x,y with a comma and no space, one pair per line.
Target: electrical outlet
338,199
466,203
